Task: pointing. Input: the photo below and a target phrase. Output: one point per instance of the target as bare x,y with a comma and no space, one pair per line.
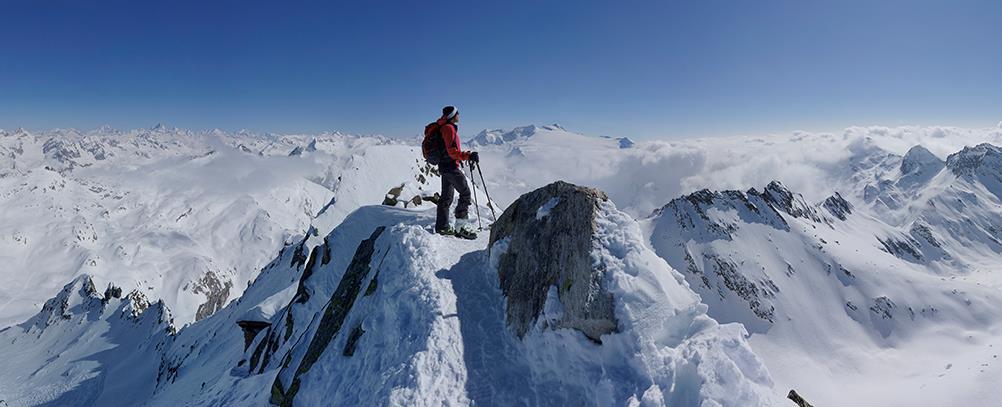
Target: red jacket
451,138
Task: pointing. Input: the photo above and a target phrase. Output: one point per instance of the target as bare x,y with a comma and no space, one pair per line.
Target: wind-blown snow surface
925,225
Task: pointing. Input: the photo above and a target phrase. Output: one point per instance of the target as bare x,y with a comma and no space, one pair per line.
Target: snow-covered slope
185,217
85,348
419,319
383,312
823,286
878,245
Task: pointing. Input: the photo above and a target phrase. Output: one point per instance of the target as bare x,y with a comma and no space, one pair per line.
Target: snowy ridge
831,287
757,258
95,347
499,136
404,282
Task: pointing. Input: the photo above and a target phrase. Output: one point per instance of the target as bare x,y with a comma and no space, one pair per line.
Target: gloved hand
475,157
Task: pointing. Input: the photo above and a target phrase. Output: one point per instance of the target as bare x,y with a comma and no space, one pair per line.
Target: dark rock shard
112,292
349,346
251,329
302,293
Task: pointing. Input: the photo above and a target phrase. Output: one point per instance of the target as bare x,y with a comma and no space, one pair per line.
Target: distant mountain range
231,268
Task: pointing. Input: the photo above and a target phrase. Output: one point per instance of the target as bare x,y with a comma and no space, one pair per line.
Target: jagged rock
883,306
733,280
970,159
903,247
78,297
112,292
136,304
923,231
782,199
393,197
549,235
216,293
838,206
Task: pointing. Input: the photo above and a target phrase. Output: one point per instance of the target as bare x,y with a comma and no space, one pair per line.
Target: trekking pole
475,204
489,200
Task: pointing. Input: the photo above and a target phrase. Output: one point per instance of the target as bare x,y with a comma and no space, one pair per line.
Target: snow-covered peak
625,142
983,157
76,298
784,200
919,159
498,136
161,127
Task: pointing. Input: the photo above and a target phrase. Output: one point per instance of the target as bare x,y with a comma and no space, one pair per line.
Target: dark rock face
550,232
334,315
838,206
782,199
756,294
904,248
251,329
112,292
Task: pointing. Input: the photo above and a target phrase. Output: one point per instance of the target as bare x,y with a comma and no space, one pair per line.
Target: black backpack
433,145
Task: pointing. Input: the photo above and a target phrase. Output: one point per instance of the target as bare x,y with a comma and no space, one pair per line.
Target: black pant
453,179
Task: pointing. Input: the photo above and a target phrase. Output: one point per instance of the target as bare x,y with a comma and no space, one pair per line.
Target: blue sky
637,69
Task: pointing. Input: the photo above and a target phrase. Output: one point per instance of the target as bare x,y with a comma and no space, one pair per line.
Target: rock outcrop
415,192
287,383
548,233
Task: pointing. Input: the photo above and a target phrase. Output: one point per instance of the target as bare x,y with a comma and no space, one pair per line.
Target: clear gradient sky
617,68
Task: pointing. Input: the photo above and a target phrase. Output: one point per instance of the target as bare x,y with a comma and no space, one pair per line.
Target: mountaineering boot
464,228
466,233
460,233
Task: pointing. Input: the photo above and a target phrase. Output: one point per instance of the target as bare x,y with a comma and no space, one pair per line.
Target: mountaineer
441,147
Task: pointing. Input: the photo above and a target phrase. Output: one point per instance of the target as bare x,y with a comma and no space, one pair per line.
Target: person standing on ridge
449,156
